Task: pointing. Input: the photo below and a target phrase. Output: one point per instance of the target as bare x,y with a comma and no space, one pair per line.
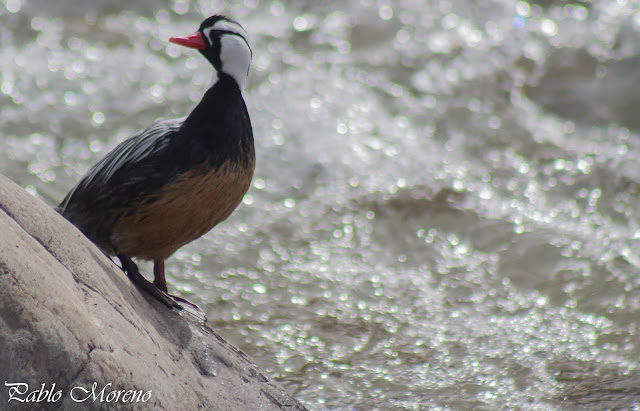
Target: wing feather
126,155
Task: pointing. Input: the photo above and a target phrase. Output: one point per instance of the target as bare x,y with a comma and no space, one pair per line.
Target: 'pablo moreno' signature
19,391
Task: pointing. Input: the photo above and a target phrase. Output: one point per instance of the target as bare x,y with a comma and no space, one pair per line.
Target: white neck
235,56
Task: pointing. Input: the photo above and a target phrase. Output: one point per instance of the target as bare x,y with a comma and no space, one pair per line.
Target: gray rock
70,317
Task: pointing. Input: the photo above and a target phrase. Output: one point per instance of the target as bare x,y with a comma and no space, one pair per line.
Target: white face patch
225,25
235,53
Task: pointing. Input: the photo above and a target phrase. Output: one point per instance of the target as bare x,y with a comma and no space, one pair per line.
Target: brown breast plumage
182,211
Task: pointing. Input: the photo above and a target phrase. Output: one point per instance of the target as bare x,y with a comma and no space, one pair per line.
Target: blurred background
444,209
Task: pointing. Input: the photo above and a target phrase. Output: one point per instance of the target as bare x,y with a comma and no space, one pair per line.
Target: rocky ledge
75,333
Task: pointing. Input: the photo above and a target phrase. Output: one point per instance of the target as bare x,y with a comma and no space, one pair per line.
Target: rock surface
70,317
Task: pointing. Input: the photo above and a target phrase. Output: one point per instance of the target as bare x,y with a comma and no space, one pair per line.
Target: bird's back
127,175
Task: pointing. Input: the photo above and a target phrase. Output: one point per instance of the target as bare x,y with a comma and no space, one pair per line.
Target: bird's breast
182,211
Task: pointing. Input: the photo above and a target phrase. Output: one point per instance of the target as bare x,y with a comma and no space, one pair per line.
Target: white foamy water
444,209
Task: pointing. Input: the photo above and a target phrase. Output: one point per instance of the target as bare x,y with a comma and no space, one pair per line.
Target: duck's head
224,43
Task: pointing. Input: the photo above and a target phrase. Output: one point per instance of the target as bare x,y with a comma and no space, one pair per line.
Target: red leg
131,269
158,271
160,284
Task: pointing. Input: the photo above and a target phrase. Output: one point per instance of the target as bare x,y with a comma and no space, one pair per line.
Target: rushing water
444,208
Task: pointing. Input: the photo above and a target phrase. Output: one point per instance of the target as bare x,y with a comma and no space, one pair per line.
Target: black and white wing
124,165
